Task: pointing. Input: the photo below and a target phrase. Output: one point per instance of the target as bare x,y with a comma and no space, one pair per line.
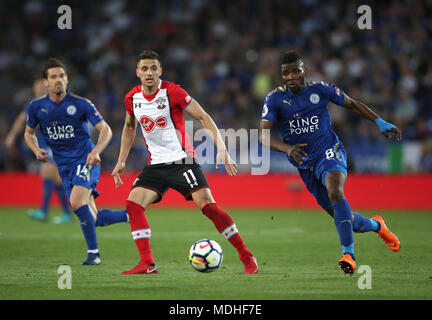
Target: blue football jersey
64,126
304,117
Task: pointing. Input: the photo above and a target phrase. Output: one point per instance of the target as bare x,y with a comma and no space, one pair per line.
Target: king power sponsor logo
60,132
303,125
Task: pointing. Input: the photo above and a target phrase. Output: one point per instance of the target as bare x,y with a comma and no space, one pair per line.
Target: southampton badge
160,103
71,110
314,98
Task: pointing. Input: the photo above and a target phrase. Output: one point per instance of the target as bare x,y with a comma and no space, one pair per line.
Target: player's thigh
143,196
332,171
316,188
79,196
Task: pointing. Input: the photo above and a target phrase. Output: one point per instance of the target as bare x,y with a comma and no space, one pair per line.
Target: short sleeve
179,97
32,121
92,113
334,94
128,102
269,109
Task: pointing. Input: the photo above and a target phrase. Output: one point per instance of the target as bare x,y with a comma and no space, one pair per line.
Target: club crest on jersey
160,103
149,124
314,98
71,110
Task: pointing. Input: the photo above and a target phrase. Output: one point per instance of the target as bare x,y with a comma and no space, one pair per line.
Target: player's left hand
388,130
93,158
224,158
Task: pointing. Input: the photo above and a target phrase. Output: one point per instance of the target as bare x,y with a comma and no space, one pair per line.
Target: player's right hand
42,155
117,172
296,152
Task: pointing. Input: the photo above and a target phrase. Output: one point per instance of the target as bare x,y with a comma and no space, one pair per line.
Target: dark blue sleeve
32,120
269,111
334,94
91,112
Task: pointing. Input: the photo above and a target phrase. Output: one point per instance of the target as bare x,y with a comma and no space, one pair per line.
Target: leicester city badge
71,110
314,98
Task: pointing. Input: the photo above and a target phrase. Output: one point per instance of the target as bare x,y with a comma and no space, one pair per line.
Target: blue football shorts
333,159
81,175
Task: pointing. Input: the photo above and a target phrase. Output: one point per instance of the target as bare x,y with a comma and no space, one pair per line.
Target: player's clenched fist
42,155
296,152
93,158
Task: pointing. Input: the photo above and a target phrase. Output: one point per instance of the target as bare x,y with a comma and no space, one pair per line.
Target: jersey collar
152,96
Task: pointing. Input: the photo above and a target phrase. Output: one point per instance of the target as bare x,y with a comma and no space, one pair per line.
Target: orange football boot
388,237
347,264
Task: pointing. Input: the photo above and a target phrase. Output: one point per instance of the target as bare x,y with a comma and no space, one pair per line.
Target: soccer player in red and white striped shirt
159,106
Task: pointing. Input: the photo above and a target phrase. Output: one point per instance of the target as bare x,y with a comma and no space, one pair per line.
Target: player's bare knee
76,204
202,197
335,194
142,196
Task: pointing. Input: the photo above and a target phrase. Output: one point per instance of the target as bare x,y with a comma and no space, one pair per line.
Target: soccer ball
205,255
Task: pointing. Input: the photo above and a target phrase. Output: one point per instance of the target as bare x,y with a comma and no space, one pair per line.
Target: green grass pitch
297,252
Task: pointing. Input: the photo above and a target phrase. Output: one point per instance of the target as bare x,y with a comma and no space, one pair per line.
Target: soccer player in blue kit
299,108
48,171
62,118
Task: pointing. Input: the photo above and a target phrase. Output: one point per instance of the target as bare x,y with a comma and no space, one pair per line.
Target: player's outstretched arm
127,140
387,129
295,152
222,157
32,142
16,128
105,135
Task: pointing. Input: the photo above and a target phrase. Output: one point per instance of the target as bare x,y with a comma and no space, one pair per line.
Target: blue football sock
63,198
106,217
362,224
48,186
343,222
88,226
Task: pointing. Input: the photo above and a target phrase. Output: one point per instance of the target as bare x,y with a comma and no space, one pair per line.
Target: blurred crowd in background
227,55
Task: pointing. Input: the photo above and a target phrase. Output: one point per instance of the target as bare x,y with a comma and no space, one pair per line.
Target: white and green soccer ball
205,255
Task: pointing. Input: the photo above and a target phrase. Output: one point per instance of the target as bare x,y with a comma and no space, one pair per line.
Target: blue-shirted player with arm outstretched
62,118
299,109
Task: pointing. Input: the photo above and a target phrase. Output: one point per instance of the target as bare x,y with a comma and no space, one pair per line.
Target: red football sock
141,231
226,226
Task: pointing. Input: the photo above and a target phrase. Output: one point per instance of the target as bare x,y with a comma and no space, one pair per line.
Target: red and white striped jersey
161,117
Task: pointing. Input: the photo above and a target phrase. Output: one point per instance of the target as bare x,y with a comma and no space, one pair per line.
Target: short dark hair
148,54
291,56
52,63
